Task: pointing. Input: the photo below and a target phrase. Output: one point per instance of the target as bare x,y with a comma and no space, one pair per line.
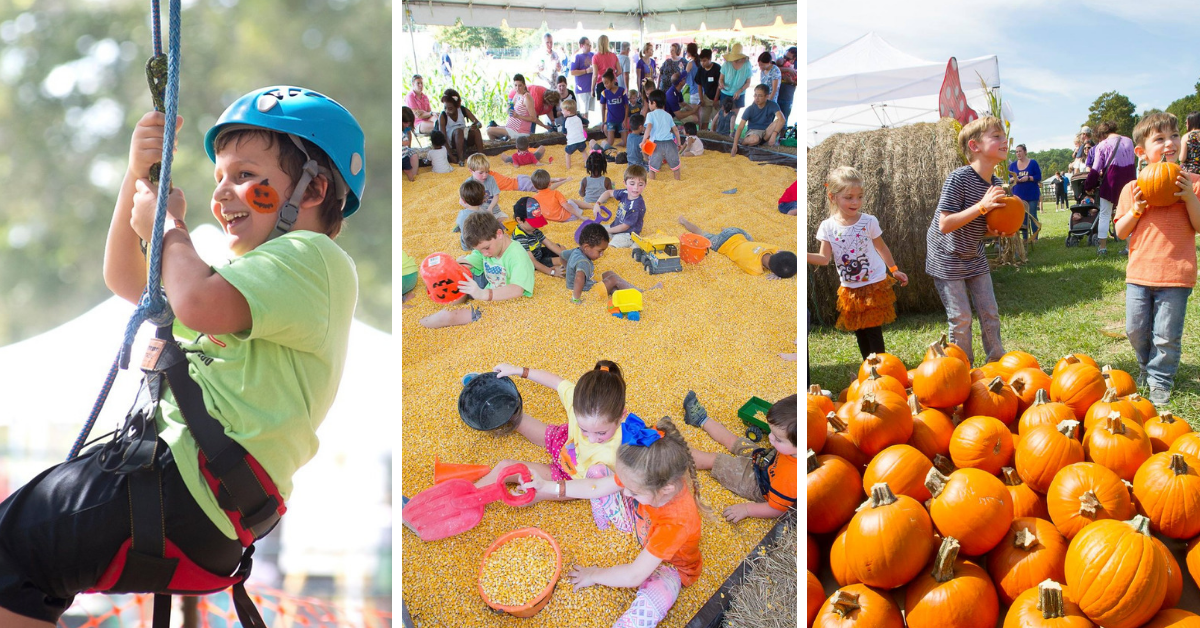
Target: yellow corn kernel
518,571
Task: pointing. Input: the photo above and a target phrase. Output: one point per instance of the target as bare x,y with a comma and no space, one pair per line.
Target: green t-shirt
408,264
513,266
271,385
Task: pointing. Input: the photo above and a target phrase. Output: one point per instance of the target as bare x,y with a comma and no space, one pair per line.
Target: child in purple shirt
614,102
632,209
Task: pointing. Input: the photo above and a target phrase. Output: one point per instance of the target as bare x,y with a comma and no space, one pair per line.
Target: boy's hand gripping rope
153,304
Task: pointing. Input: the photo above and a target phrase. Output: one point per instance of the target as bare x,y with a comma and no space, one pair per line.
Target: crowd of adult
710,88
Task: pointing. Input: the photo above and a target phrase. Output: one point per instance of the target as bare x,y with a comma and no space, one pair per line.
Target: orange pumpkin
1174,576
1078,386
941,382
1162,430
816,597
813,555
1031,552
955,592
1007,219
1044,412
950,349
1119,444
1108,404
1119,379
1143,405
858,606
1044,451
877,421
1167,488
1117,573
932,429
838,443
1192,557
1026,501
1158,182
1014,361
981,442
1187,444
1070,359
903,468
1026,383
1085,492
817,428
1173,618
837,560
1048,605
875,382
992,398
820,398
888,560
886,364
988,371
971,506
834,491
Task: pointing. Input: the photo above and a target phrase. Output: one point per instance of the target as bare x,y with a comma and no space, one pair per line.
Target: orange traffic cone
443,471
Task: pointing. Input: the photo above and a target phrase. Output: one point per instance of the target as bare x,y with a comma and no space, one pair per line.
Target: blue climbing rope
153,304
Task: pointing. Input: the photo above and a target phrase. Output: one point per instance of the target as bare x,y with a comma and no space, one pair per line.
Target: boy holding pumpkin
1160,214
954,240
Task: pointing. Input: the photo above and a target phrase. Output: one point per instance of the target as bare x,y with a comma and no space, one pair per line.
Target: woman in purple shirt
1113,165
647,67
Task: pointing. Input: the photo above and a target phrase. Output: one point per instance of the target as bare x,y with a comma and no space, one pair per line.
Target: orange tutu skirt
868,306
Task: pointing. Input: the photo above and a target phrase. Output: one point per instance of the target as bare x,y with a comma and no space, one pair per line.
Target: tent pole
412,38
642,25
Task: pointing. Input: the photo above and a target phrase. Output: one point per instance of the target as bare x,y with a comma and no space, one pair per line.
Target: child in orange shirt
554,205
522,182
657,476
765,476
1161,271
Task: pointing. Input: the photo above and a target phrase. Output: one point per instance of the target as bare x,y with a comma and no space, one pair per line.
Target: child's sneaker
1159,396
694,414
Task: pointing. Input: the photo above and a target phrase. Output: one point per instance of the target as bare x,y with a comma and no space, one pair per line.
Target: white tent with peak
871,84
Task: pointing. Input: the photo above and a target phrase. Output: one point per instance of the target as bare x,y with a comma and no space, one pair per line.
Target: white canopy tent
647,15
870,84
339,513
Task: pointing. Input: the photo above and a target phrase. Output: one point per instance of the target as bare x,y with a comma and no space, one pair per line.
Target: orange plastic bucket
441,274
531,608
692,247
648,147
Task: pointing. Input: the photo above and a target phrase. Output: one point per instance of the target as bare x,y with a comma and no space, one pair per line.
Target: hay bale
903,171
766,597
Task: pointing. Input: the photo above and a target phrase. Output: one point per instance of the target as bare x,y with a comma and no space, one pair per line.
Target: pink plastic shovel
455,506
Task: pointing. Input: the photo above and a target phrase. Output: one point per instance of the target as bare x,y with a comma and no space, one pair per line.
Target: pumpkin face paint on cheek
263,198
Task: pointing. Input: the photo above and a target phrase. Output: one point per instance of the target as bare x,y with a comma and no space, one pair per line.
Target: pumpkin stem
997,448
943,464
995,385
936,348
935,482
1017,385
1178,465
1110,394
1041,397
844,603
873,373
836,422
868,403
913,406
1071,359
882,495
957,416
1089,505
815,389
1068,428
1113,422
1024,539
943,565
1050,600
1165,416
813,464
1011,478
1141,524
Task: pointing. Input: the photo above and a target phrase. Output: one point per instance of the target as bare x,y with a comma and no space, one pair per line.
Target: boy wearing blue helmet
260,341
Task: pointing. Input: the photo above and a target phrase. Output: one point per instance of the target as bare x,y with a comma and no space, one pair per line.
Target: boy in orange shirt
1161,271
522,182
765,476
554,205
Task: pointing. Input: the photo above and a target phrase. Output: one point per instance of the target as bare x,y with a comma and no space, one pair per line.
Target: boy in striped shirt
954,240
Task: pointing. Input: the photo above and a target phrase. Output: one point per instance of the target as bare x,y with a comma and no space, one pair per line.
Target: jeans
787,93
1029,218
958,296
1154,324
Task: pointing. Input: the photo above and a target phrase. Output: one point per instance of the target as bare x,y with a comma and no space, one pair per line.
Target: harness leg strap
146,568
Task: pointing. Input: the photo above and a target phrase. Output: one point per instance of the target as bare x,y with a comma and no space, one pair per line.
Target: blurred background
72,85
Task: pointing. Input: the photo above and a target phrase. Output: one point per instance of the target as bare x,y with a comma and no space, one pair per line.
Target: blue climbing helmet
304,113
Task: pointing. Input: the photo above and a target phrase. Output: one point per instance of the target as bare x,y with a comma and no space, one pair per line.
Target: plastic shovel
455,506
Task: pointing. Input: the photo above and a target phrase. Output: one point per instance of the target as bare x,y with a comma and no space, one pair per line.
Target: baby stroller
1084,218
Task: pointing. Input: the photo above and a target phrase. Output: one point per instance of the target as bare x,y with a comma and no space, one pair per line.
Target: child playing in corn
554,205
522,183
1161,271
265,333
854,242
593,241
471,197
546,255
631,212
657,479
660,129
752,257
586,446
522,157
633,149
500,271
765,476
595,184
481,171
954,240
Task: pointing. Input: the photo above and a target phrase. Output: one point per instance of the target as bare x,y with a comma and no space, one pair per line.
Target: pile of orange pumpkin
953,493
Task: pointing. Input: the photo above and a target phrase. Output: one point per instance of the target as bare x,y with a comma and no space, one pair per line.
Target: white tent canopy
870,84
611,14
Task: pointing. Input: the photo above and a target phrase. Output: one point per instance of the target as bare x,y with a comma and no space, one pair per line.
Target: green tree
466,37
1116,107
1184,106
1052,160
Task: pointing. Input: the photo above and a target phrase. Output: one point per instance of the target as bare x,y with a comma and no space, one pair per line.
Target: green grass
1062,301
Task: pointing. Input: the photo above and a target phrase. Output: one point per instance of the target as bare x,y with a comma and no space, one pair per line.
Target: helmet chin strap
290,212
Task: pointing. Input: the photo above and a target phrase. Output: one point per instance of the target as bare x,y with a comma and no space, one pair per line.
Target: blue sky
1055,57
